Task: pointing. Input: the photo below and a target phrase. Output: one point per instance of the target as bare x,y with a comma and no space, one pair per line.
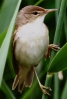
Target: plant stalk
56,38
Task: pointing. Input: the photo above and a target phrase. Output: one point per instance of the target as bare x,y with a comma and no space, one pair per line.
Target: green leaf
64,94
6,43
7,91
6,13
59,62
2,36
59,25
37,3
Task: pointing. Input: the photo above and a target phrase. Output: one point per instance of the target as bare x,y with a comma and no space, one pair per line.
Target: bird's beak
50,10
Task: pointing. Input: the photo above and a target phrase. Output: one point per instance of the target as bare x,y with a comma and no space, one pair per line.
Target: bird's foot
53,47
43,88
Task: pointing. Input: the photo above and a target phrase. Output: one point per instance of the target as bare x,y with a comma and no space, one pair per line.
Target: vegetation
49,69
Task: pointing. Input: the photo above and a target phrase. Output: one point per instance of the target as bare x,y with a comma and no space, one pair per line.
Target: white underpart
32,43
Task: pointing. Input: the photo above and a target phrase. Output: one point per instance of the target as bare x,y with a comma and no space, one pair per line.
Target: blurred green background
58,80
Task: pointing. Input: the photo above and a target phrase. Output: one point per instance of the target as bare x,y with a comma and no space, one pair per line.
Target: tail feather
16,81
23,78
29,78
20,87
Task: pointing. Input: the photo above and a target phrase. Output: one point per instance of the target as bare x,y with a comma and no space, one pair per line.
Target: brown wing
14,61
18,23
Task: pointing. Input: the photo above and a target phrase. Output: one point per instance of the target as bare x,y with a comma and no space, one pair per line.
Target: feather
29,78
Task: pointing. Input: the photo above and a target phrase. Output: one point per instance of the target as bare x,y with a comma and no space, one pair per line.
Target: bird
30,43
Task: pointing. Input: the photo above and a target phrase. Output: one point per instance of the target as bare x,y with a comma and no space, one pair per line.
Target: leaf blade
59,61
4,48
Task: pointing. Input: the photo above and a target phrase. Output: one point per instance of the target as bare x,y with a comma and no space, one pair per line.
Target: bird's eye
35,13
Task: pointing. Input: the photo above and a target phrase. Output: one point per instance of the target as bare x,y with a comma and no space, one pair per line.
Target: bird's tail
22,80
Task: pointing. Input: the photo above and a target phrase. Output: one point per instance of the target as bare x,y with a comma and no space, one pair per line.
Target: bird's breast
32,43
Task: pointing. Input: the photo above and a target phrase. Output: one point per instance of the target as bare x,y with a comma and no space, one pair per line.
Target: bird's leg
53,47
43,88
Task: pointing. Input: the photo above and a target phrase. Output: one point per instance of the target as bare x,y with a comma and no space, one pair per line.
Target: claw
48,88
43,88
54,47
